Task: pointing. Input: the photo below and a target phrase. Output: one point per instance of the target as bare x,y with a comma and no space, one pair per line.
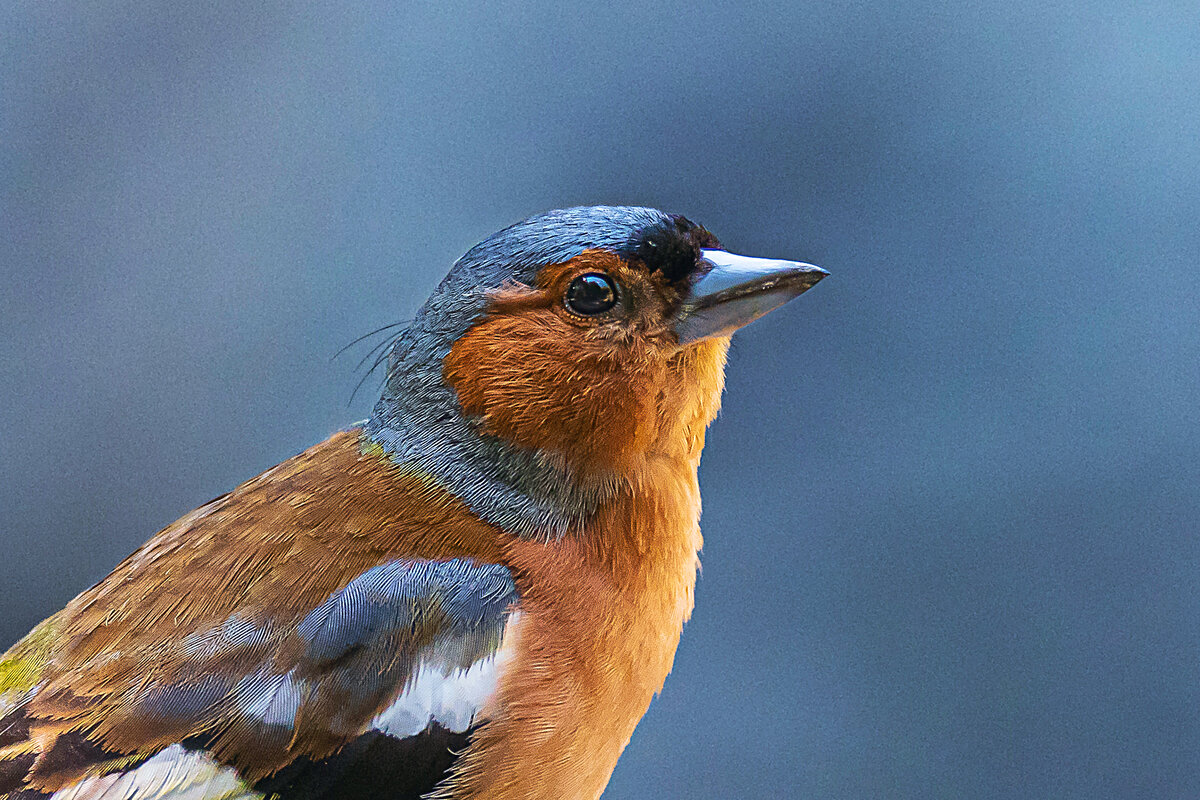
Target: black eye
591,294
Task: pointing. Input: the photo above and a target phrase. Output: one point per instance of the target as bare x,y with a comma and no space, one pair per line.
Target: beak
737,290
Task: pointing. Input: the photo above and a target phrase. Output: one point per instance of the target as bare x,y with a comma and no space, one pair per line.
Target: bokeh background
952,504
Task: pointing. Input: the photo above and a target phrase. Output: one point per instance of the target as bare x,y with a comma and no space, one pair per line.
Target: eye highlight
591,294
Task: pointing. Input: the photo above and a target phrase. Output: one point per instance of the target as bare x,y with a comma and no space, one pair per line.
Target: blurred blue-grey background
952,504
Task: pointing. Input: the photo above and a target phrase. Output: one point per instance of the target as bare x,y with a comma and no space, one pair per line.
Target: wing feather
257,695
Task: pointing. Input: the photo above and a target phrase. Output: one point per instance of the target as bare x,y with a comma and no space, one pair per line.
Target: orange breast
601,618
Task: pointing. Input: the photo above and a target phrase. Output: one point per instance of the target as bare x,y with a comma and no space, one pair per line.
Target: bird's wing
386,673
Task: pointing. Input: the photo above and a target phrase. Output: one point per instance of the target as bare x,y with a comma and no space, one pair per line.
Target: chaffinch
475,593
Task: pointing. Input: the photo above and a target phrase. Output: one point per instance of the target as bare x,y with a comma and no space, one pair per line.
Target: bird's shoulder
330,612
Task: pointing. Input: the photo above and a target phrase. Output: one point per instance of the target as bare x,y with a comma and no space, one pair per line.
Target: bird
475,593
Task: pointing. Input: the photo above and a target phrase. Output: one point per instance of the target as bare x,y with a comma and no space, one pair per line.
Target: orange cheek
542,383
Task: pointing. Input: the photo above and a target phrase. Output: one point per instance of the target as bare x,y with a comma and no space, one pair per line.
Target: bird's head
562,352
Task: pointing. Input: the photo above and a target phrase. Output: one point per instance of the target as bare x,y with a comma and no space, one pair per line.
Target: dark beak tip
815,272
807,276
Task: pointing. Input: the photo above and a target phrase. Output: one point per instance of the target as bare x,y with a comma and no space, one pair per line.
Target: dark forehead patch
671,246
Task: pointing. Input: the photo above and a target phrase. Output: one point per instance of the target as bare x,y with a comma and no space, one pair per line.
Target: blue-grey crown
519,251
